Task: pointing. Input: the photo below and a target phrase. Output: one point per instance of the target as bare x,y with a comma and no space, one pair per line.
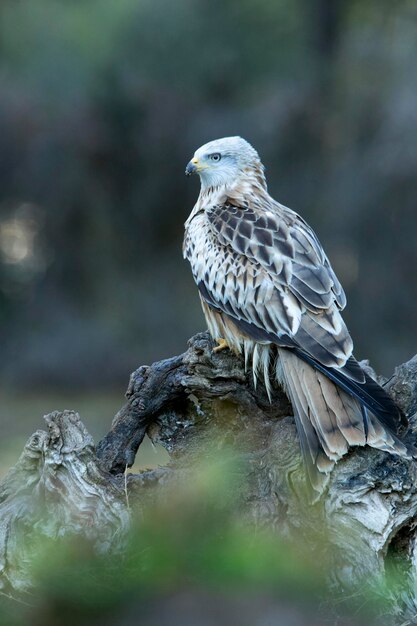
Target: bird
269,293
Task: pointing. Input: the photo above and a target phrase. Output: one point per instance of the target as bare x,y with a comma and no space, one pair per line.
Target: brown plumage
268,289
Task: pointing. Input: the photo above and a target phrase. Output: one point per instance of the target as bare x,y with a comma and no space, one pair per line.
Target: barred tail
334,411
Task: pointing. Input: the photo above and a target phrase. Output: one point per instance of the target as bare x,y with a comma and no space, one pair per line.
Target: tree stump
197,405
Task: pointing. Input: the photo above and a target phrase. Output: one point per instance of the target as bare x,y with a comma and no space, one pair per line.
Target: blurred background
102,105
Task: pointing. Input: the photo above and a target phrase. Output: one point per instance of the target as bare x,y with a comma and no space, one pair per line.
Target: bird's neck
250,182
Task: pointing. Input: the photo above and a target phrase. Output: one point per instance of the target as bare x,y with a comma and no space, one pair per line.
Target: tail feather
333,413
365,417
368,393
317,463
322,415
348,413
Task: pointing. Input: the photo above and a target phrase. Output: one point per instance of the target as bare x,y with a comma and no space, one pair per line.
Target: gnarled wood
203,401
57,489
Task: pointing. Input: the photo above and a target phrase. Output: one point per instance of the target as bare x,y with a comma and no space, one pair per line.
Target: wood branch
197,405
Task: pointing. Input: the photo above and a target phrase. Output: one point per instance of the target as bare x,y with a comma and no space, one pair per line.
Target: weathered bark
57,489
196,405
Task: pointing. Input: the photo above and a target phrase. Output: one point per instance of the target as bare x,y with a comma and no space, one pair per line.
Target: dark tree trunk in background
327,17
197,405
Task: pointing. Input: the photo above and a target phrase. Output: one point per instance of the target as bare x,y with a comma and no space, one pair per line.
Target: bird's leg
222,345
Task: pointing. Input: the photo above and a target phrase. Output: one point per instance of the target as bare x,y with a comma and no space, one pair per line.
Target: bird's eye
216,156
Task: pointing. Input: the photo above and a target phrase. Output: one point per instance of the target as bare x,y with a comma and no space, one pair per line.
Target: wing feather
292,273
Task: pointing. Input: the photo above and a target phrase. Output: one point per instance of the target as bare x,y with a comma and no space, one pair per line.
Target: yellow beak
194,166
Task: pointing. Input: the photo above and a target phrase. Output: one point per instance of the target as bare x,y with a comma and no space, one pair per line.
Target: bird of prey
268,292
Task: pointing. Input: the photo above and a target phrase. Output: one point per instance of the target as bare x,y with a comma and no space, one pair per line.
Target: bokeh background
102,104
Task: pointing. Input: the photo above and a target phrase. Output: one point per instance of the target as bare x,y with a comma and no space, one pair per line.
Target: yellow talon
222,345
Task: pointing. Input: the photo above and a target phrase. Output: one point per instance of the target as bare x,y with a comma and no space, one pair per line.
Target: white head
224,161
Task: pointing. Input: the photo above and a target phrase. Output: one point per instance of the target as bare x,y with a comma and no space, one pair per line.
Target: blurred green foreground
190,560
